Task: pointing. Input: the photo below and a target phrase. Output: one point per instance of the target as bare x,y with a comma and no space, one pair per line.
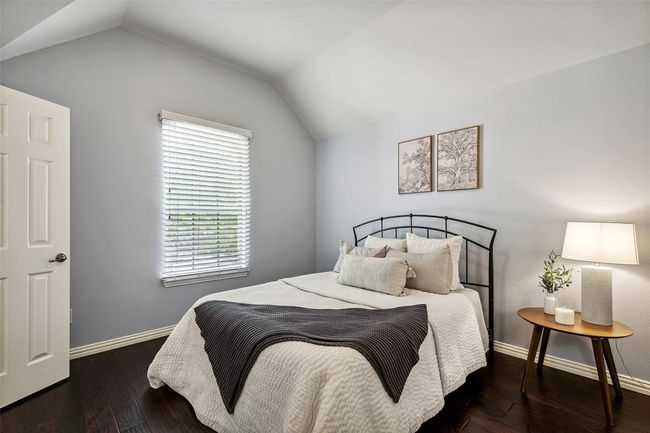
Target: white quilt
302,387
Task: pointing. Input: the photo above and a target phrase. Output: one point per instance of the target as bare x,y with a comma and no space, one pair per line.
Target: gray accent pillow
377,274
347,249
419,245
377,242
433,270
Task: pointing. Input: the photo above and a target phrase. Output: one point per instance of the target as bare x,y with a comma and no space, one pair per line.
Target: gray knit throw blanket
235,334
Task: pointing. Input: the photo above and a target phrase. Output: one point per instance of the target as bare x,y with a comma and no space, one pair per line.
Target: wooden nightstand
600,335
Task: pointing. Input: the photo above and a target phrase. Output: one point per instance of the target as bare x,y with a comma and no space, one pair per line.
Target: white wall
569,145
115,83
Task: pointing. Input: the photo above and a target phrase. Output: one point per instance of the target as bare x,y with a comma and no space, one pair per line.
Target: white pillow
345,249
376,274
393,244
433,270
419,245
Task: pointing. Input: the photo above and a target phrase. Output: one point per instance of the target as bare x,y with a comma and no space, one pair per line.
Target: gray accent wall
571,145
115,83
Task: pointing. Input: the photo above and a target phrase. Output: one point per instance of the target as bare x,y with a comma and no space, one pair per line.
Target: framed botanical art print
414,166
458,159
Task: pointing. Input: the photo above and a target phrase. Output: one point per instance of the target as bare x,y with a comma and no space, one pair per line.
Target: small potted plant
552,280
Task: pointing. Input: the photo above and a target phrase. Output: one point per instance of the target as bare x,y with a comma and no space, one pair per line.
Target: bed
300,387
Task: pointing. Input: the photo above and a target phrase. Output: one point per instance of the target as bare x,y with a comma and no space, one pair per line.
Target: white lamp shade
601,243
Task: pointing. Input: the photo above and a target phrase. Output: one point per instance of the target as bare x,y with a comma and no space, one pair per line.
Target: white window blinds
207,201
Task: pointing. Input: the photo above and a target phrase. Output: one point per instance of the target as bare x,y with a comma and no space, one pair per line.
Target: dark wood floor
109,392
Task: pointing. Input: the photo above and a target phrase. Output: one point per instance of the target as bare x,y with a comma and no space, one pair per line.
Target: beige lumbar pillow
393,244
433,270
419,245
347,249
376,274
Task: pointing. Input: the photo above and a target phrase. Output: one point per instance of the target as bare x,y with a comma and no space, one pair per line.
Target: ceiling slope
346,64
74,20
423,53
18,16
266,37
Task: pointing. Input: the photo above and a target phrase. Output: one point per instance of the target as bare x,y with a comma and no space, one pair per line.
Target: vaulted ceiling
347,64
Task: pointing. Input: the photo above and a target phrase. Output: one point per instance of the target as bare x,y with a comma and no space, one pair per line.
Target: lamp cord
640,384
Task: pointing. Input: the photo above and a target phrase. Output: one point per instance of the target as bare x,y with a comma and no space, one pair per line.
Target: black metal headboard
473,234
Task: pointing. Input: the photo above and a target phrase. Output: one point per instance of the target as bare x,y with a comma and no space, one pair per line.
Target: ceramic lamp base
597,295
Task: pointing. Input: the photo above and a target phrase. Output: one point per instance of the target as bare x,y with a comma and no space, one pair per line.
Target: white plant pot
550,302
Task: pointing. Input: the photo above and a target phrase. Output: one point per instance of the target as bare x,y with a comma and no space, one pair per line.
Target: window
207,202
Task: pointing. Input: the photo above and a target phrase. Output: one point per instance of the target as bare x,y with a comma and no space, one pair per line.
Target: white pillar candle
564,316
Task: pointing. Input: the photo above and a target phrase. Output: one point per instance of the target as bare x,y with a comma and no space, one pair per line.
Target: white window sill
183,280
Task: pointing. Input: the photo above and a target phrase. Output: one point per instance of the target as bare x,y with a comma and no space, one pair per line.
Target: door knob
59,258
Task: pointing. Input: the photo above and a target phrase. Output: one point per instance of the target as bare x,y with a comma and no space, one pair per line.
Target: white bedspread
301,387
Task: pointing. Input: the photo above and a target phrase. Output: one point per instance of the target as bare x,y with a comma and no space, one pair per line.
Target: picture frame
458,159
415,165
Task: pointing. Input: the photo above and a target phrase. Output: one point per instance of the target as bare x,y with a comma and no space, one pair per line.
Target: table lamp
599,243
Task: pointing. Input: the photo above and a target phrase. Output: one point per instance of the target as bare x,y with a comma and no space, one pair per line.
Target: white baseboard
637,385
103,346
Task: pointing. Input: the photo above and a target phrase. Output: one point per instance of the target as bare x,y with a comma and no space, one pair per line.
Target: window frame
168,277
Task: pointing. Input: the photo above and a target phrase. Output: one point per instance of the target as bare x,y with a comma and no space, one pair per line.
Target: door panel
39,317
39,202
3,119
39,128
3,326
34,227
3,201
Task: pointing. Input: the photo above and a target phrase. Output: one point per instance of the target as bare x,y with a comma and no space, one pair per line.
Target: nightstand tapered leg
597,344
542,349
532,350
609,359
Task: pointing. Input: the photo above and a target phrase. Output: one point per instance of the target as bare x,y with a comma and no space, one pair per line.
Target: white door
34,228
